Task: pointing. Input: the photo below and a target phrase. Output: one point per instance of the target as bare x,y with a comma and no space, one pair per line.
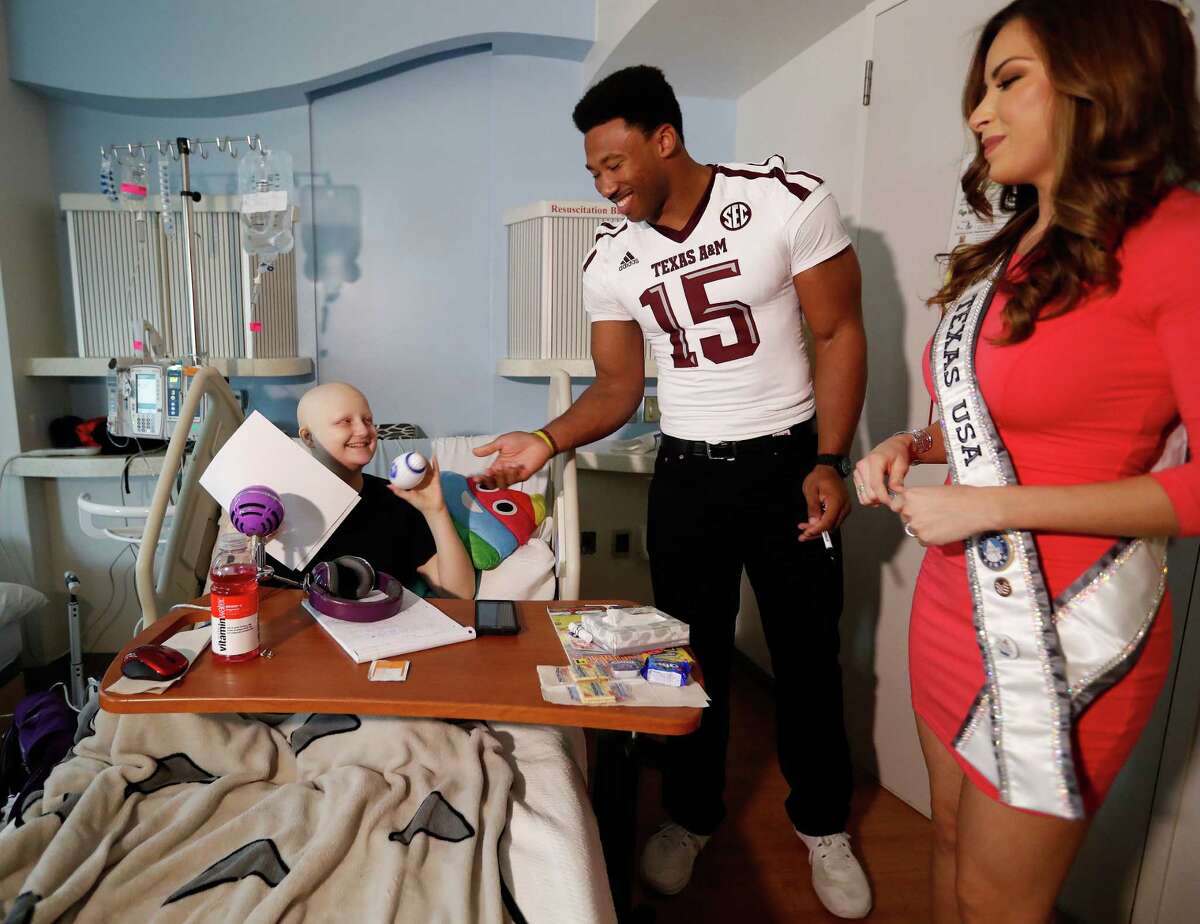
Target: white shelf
91,367
83,466
540,368
629,463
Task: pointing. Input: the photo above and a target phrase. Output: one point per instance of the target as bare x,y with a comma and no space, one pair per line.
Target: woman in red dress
1085,359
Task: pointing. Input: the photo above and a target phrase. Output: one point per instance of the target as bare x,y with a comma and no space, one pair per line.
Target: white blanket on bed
224,818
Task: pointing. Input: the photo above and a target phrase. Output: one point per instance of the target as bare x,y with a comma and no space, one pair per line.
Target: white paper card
315,501
419,625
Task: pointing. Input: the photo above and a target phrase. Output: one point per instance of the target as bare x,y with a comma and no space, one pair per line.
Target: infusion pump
144,399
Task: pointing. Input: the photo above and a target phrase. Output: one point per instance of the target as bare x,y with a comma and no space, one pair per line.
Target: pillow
17,601
492,522
527,574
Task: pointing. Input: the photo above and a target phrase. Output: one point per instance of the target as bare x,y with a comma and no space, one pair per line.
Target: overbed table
490,679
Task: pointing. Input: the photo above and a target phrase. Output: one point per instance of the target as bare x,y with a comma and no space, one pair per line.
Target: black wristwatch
840,464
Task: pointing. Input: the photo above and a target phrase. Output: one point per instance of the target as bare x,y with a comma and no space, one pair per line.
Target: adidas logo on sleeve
627,261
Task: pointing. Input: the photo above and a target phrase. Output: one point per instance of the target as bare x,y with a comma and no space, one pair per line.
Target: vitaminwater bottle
234,600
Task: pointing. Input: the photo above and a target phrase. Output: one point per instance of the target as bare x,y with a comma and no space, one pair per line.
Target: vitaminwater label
235,623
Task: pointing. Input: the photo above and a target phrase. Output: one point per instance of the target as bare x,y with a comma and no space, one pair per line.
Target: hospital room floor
755,869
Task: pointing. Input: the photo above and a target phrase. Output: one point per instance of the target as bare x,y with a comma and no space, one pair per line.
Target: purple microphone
256,511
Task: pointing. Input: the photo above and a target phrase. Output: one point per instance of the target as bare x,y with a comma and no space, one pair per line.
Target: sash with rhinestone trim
1044,660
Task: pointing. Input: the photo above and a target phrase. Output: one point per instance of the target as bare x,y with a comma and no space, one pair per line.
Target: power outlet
650,409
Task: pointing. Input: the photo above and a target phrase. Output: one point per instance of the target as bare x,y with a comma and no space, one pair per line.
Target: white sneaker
669,856
837,877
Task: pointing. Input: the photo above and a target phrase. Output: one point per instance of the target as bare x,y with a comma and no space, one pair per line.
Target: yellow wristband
545,437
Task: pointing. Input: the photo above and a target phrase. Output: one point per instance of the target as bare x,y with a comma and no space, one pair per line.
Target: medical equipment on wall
145,400
548,242
146,393
173,278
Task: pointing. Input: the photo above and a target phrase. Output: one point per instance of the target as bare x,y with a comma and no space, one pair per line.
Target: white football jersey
716,300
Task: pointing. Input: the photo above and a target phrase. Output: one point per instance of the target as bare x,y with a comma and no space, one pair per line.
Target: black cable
101,624
124,579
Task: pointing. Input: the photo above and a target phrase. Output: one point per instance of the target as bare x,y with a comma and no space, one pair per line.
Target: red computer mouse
153,662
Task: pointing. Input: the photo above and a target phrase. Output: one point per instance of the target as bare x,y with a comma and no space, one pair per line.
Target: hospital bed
550,854
174,570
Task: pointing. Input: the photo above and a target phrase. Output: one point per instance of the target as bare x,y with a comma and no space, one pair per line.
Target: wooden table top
492,678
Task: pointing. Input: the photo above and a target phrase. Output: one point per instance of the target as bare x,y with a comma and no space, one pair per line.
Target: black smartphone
496,617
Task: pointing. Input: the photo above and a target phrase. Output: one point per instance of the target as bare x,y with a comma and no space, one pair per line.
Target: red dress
1090,397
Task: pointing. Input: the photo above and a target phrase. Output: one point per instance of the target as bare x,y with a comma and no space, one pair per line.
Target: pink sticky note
256,327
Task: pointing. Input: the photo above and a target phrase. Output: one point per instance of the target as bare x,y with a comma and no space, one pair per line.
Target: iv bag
265,185
135,183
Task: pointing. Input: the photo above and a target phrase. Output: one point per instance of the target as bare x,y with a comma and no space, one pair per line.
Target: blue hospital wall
403,293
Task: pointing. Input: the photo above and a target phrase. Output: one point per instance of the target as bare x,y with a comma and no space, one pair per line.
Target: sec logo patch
735,215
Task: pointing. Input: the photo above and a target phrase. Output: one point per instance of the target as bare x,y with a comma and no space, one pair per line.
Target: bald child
407,534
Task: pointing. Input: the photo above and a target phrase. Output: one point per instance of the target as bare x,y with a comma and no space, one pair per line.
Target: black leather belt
730,449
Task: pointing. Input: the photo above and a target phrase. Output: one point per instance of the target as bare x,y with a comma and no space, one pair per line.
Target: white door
913,146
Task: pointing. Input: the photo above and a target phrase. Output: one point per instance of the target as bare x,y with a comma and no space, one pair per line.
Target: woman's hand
426,496
881,472
948,513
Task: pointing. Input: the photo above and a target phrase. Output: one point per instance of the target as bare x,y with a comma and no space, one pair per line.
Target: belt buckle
726,451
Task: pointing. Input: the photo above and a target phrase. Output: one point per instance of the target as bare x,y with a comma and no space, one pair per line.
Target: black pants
708,519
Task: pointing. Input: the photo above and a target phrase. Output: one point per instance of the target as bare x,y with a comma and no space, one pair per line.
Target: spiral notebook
419,625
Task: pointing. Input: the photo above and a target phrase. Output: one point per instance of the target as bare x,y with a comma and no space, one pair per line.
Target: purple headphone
335,588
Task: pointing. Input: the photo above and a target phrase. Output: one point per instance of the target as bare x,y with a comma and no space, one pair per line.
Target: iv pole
189,198
183,151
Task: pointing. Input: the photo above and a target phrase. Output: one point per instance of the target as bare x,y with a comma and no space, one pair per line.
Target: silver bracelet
922,441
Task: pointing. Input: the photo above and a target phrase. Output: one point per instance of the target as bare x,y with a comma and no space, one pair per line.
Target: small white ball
408,471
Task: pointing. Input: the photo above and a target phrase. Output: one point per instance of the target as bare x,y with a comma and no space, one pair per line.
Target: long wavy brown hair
1127,127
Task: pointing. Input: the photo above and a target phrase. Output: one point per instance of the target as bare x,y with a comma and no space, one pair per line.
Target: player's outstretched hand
520,455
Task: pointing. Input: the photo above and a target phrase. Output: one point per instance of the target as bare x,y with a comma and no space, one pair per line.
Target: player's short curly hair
640,95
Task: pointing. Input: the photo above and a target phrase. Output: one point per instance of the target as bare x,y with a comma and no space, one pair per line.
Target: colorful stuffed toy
492,522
